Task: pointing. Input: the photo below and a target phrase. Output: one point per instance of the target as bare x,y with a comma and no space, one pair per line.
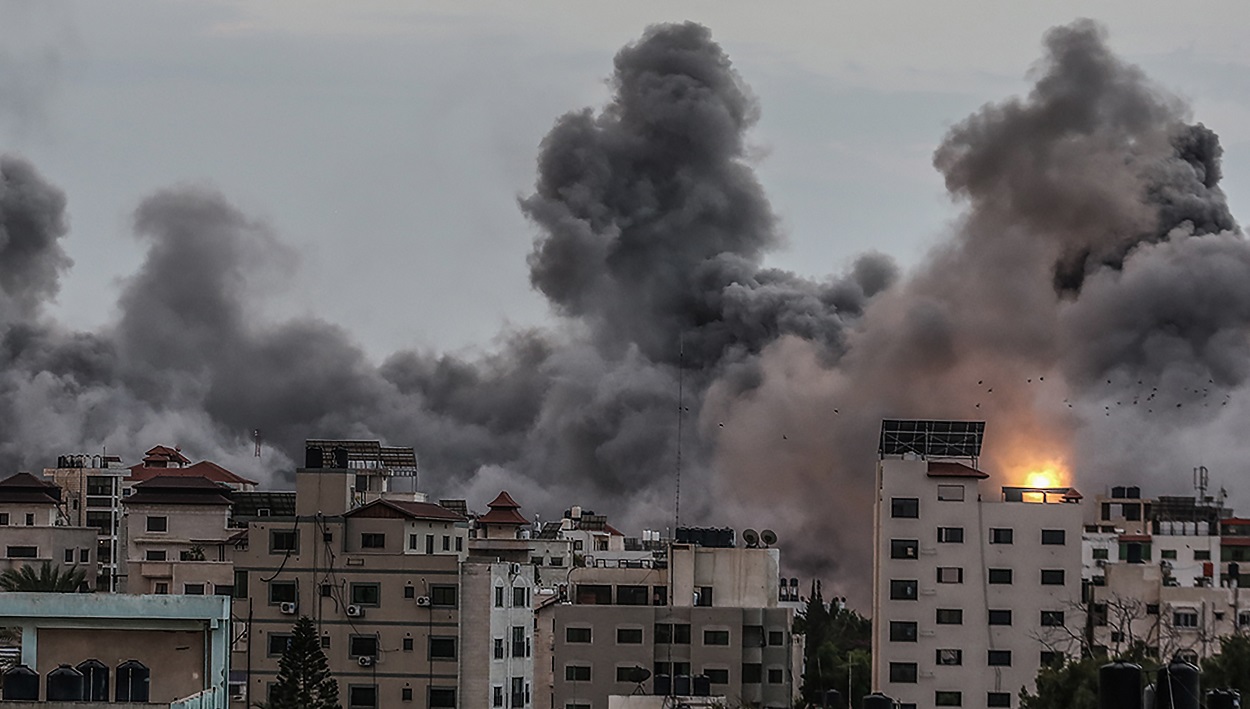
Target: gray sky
388,141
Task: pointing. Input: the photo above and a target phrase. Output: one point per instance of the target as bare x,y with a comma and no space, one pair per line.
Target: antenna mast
256,438
681,404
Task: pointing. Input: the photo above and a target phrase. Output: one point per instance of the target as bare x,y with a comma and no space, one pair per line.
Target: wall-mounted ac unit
365,660
288,608
423,601
355,612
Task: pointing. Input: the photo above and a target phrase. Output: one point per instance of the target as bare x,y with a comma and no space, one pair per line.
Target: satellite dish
751,537
638,675
768,537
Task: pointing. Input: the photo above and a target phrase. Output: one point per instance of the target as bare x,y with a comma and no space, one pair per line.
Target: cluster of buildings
977,585
198,577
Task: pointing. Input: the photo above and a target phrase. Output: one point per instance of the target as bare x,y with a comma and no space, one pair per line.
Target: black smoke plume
1096,264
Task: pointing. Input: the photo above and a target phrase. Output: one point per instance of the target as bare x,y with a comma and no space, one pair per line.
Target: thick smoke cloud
1092,303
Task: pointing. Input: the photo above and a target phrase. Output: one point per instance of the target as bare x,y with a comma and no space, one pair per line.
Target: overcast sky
388,141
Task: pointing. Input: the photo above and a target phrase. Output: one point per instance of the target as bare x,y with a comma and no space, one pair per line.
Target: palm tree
48,579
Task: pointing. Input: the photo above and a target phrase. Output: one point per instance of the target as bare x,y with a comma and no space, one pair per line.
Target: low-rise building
177,537
33,529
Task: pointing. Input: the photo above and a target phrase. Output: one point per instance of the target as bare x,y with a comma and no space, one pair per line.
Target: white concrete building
975,584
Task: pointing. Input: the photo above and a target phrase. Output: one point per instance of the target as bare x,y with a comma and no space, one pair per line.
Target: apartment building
975,584
91,487
177,537
708,616
497,627
377,571
33,529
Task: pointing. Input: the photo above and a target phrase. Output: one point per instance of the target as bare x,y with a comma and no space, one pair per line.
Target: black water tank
702,685
877,700
681,685
340,458
1177,686
313,458
95,680
1119,686
662,686
65,684
133,681
1223,699
832,699
21,682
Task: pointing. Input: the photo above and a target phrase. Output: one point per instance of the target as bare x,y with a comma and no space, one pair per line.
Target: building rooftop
179,490
406,508
503,510
203,469
948,469
364,455
26,489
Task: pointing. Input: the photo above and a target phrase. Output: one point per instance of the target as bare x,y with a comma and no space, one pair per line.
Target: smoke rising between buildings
1091,303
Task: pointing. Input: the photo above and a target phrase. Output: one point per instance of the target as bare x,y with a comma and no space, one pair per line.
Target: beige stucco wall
176,658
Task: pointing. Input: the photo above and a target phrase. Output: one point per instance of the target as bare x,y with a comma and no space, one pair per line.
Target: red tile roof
503,510
412,510
203,469
26,489
165,453
179,490
944,469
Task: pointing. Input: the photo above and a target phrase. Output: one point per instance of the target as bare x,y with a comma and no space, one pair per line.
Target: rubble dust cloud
1092,303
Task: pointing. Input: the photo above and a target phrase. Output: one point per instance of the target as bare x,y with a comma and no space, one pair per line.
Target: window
278,643
193,589
948,699
442,648
362,696
498,648
776,637
999,658
776,676
446,543
429,544
521,597
1000,576
715,637
154,555
30,519
950,657
283,541
998,699
951,535
459,543
1001,535
499,596
752,636
444,596
906,672
902,590
950,574
362,646
951,493
325,641
1053,536
1052,618
716,675
410,592
1050,657
1101,553
497,696
366,594
405,694
626,674
1052,577
633,595
904,548
520,644
577,673
905,507
950,616
1152,609
752,672
703,596
162,588
1185,618
372,540
99,485
593,594
4,519
672,633
158,524
22,552
577,635
282,592
414,541
1202,554
629,636
1000,617
902,631
408,644
1243,619
1167,553
327,590
84,556
69,556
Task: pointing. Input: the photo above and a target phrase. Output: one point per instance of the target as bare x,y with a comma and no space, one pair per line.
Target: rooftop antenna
1200,481
681,403
256,438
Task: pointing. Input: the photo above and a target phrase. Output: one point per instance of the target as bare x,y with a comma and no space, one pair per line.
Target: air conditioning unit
288,608
365,660
355,612
423,601
514,568
1100,563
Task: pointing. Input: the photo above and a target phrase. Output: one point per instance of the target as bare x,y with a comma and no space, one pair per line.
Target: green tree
837,650
47,578
1230,669
1073,684
304,680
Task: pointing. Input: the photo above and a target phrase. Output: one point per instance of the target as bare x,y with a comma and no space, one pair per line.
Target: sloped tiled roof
179,490
24,488
250,504
946,469
410,509
503,510
165,453
203,469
